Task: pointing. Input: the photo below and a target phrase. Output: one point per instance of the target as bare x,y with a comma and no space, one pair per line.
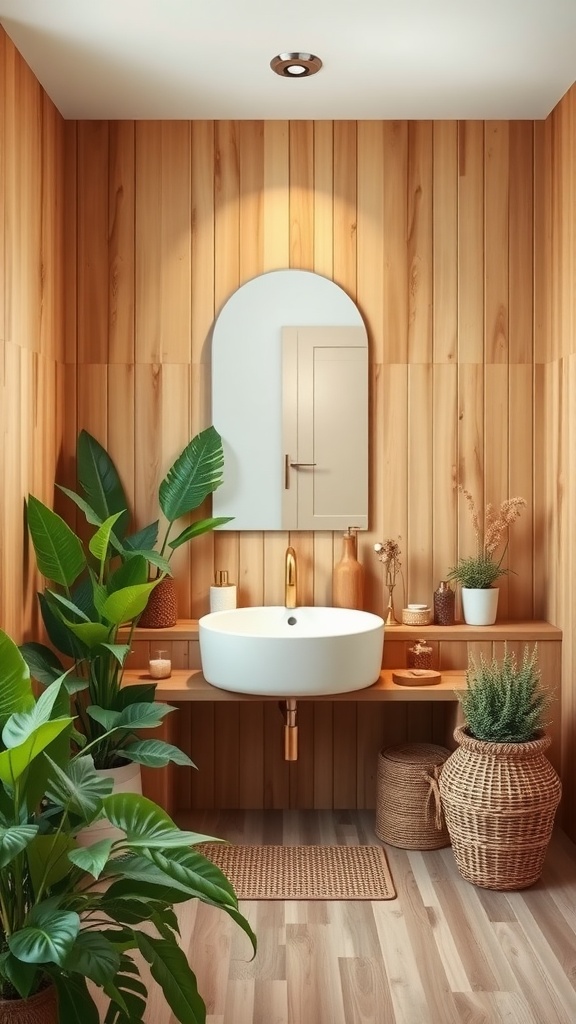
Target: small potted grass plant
478,573
499,791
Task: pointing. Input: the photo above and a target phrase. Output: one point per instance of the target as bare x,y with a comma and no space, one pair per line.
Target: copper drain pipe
288,709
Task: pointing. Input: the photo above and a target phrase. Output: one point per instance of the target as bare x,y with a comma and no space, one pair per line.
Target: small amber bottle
348,575
444,599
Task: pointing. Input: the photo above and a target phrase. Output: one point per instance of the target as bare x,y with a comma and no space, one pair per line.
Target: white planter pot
127,779
479,607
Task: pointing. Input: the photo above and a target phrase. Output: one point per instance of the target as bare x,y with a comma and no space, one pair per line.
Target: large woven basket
499,800
408,812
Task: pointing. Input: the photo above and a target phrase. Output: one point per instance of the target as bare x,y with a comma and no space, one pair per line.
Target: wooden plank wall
555,382
431,227
428,226
33,393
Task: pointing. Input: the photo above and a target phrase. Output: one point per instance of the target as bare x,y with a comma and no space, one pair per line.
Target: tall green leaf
58,550
44,665
133,571
58,633
92,859
48,859
22,724
15,686
195,474
77,786
75,1004
191,868
170,969
196,529
126,604
100,541
100,481
155,754
24,977
143,539
15,761
94,956
90,514
13,840
145,823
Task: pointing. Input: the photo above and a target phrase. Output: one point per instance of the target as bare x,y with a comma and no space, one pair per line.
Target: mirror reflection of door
247,405
325,428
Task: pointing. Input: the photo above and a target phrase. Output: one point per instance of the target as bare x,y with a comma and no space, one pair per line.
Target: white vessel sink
285,652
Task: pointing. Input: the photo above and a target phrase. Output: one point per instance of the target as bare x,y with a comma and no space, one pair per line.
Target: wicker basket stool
408,812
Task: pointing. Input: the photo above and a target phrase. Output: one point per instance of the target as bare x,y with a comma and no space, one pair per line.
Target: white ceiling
382,58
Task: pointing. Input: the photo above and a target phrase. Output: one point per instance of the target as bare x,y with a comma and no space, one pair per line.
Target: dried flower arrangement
388,553
483,569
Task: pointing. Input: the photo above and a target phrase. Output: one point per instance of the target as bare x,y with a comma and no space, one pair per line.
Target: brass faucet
290,579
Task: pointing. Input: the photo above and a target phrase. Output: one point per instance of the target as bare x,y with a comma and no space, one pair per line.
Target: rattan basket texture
408,811
161,612
499,801
39,1009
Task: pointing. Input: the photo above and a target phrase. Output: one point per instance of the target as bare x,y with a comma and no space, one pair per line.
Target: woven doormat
304,872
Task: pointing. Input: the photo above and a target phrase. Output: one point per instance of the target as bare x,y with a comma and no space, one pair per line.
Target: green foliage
90,594
504,701
478,572
57,921
194,474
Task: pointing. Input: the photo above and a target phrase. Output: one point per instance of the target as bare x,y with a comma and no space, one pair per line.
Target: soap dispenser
348,575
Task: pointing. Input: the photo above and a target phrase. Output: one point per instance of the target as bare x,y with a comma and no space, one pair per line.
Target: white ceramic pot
479,607
127,779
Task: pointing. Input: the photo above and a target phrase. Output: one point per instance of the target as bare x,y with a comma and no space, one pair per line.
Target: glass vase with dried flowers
479,572
388,552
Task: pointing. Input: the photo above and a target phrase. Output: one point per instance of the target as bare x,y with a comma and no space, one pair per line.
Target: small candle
160,667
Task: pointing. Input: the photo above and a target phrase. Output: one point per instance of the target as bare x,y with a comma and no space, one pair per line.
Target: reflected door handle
292,465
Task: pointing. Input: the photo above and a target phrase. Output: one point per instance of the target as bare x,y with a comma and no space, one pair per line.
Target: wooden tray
415,677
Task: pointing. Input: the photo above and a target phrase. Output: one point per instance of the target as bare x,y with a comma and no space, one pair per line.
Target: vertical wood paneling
554,408
121,241
31,323
420,242
395,283
458,242
92,242
302,195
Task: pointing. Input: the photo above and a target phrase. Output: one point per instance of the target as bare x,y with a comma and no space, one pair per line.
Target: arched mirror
290,399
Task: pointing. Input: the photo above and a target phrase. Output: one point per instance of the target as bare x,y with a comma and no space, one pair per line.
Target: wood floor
443,952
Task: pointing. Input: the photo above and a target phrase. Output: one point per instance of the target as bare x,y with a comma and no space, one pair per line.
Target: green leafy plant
195,474
480,571
505,702
90,595
59,924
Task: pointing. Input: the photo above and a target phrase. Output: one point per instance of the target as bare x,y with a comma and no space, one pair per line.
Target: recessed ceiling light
295,65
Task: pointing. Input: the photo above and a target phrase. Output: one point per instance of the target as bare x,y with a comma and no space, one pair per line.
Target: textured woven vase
499,801
39,1009
161,610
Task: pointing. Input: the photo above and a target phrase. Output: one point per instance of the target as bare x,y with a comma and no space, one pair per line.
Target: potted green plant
90,594
195,473
499,792
478,573
60,926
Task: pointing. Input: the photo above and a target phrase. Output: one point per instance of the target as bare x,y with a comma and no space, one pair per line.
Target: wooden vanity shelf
236,739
